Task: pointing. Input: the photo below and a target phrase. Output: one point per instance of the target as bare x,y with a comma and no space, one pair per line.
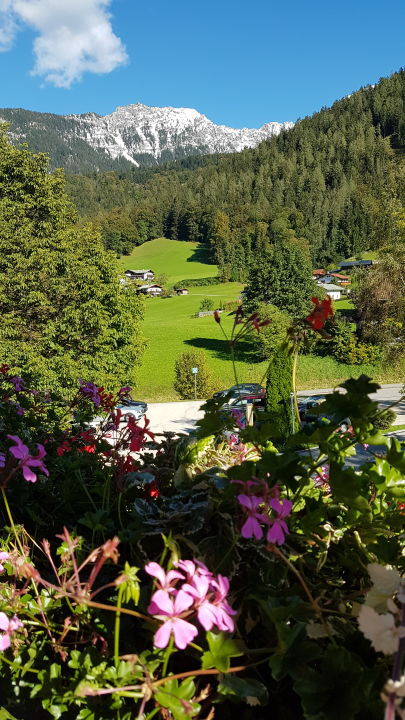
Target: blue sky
241,64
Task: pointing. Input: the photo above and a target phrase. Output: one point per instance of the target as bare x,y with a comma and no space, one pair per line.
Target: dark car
236,407
241,390
314,414
307,403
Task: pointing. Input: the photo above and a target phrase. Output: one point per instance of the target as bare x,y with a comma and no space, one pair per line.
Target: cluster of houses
334,281
149,288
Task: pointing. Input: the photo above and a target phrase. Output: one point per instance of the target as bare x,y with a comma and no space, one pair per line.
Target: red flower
321,312
216,316
138,434
63,448
153,490
4,369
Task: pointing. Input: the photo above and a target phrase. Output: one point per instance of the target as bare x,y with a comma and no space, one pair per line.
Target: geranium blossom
28,461
165,580
138,434
18,383
2,460
8,627
321,312
162,606
381,630
278,527
202,595
251,527
3,557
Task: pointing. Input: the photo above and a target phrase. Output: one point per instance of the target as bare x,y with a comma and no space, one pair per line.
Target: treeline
330,183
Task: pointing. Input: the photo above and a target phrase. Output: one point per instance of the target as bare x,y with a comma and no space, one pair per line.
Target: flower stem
13,527
166,658
117,625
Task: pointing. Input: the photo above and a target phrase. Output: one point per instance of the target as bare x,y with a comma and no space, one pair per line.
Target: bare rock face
132,134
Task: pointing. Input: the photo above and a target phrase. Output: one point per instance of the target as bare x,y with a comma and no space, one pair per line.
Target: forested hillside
334,183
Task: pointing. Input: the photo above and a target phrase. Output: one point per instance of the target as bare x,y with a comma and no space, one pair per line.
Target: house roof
318,272
355,263
339,275
331,287
141,272
149,287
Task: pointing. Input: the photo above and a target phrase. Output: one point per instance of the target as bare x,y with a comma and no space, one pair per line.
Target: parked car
236,407
133,408
313,414
307,403
242,390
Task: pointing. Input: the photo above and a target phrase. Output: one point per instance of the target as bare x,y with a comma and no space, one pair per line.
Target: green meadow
171,328
177,260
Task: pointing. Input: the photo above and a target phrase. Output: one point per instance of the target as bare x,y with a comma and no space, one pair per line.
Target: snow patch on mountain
134,130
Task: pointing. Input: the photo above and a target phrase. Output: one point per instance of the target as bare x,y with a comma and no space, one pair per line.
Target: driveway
180,417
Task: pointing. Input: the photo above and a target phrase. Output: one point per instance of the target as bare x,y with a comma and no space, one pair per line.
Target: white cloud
74,37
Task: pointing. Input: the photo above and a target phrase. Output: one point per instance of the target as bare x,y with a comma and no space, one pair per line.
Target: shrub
206,305
197,282
354,352
385,420
268,340
186,384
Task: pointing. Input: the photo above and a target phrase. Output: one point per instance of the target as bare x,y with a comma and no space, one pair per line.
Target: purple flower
2,460
9,627
251,528
28,461
165,580
3,557
91,391
163,606
18,383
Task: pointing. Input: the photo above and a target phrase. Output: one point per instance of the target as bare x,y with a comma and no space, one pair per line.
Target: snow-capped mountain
135,134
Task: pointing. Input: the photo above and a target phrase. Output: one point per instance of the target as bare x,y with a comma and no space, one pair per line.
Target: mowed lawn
171,328
173,258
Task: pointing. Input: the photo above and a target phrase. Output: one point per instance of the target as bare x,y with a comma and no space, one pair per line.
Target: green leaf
249,690
221,650
178,698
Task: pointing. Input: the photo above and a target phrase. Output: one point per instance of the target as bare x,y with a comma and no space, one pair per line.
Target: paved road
180,417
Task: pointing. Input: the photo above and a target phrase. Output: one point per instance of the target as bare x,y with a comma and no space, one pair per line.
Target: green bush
354,352
197,282
206,305
385,420
186,384
270,337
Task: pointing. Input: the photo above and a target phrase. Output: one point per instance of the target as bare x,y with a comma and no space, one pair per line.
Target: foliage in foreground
182,577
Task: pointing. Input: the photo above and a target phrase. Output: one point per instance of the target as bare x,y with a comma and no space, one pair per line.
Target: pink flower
162,606
278,527
223,609
9,627
28,461
90,390
165,580
3,556
251,527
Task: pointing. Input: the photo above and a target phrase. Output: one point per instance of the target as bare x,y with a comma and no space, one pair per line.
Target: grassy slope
171,329
178,260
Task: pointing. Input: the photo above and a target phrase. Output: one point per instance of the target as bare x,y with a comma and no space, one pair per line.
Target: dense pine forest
333,185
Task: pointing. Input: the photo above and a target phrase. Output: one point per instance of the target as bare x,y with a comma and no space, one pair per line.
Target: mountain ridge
132,135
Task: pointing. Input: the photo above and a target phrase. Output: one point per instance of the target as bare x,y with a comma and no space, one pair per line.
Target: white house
333,291
140,274
150,290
